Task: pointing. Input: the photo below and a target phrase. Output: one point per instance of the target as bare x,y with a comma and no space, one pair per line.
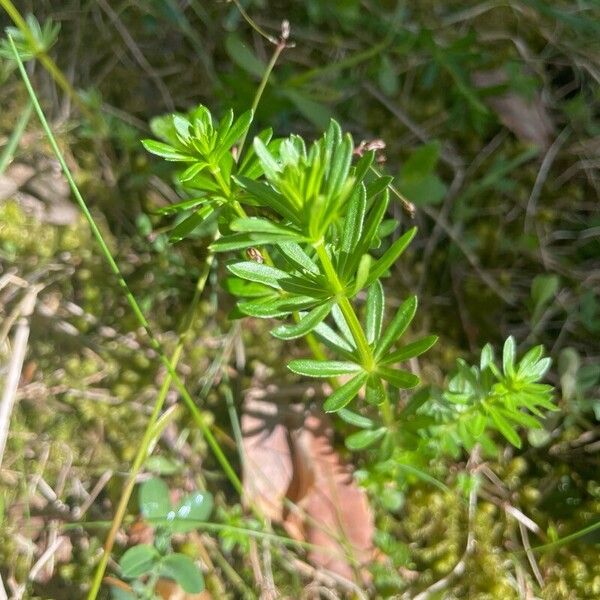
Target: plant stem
347,309
15,137
43,57
355,328
149,434
262,85
133,303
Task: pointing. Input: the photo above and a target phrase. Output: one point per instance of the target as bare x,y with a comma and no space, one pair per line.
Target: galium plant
311,225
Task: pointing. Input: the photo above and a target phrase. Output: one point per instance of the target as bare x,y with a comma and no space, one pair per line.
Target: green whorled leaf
188,225
239,241
167,152
374,311
504,426
192,171
334,341
410,350
391,255
195,507
353,224
259,273
180,206
340,165
258,225
377,186
245,289
476,424
269,198
138,560
374,391
153,499
398,378
270,164
322,368
296,256
363,439
355,419
539,369
487,357
305,325
362,273
520,417
361,168
182,126
183,570
340,321
387,227
397,327
373,221
531,357
306,285
344,394
250,165
508,356
275,306
234,133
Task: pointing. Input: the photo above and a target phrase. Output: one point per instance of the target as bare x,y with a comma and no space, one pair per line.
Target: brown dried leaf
527,119
334,512
288,456
267,468
169,590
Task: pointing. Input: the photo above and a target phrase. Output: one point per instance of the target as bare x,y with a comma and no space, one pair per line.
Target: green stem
149,435
15,137
347,309
262,85
133,303
43,57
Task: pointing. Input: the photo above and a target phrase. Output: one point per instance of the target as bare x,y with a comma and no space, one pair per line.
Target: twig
16,365
543,175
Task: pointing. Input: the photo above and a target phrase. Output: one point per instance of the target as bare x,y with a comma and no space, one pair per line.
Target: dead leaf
289,455
336,515
527,118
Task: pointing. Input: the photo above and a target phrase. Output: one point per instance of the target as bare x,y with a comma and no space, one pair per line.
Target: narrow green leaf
373,220
363,439
239,241
363,273
331,339
294,253
182,569
273,306
235,132
355,419
504,427
397,327
258,225
138,560
258,272
374,311
353,224
244,289
268,197
375,391
270,166
305,325
322,368
508,356
398,378
521,418
391,255
167,152
410,350
344,394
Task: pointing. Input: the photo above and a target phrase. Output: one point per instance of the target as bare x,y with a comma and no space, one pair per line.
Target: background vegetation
489,114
